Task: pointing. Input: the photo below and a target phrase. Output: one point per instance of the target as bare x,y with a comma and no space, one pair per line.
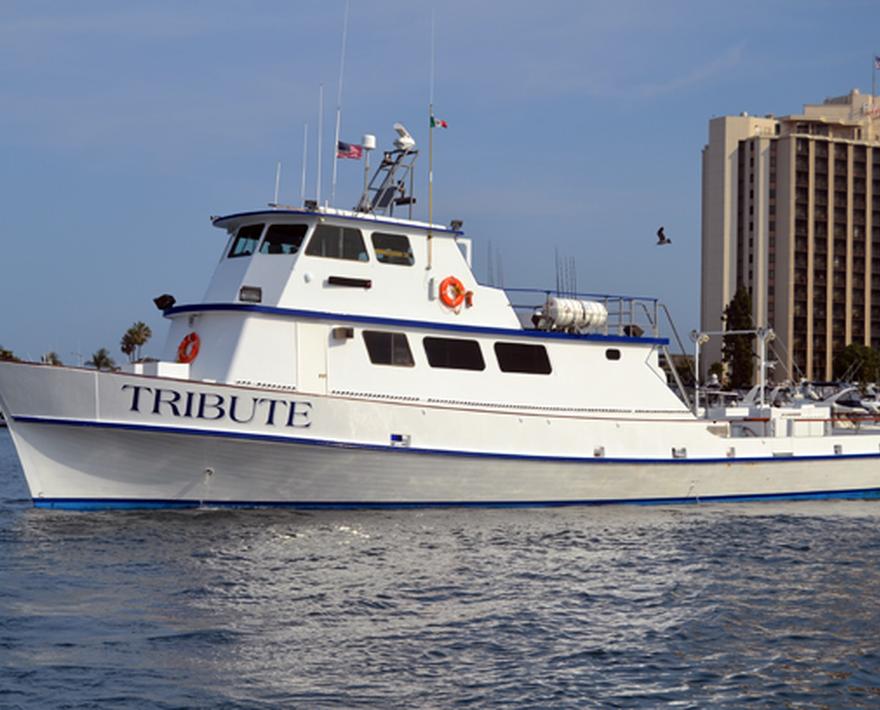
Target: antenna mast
320,139
431,148
302,189
277,182
339,103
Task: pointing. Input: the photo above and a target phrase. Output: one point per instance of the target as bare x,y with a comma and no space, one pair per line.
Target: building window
454,354
336,242
283,238
388,348
520,357
246,240
392,249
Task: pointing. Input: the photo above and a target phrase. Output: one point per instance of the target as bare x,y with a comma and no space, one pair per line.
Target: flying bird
661,238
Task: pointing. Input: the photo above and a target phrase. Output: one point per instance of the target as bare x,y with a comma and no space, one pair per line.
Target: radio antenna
339,103
277,182
431,147
320,139
302,187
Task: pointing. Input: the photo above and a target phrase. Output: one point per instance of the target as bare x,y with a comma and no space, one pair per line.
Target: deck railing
627,315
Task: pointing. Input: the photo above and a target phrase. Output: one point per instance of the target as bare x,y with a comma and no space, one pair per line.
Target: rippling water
703,606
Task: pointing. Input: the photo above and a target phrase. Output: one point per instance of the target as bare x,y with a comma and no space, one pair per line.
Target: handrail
568,294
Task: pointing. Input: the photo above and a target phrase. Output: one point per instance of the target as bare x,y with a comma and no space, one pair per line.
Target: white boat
351,359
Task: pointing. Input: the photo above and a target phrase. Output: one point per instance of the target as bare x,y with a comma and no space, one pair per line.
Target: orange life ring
188,350
452,292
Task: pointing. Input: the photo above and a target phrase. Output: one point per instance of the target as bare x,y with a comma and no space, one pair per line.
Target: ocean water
760,605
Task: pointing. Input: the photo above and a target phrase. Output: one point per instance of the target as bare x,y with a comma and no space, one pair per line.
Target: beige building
791,210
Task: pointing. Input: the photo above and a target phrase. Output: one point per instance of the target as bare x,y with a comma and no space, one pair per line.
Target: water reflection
699,605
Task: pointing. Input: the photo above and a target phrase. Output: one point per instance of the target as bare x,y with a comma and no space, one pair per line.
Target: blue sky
574,126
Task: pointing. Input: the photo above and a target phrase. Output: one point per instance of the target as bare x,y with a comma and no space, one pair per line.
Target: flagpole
339,103
430,178
873,82
431,149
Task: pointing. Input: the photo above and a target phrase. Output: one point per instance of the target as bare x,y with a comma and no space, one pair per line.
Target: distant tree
101,360
736,350
7,355
134,339
858,363
127,346
51,358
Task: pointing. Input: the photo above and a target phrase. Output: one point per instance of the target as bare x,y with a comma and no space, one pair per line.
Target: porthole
612,354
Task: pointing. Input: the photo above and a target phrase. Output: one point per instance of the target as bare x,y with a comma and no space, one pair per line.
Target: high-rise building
791,212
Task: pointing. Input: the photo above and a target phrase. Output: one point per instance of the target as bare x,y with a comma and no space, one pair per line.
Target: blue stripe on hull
168,504
275,439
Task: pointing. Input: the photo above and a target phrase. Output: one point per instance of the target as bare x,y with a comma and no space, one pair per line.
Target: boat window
246,240
454,354
336,242
612,354
520,357
388,348
392,248
283,238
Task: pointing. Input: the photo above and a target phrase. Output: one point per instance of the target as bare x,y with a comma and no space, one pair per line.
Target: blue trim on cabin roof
86,504
403,224
405,323
446,453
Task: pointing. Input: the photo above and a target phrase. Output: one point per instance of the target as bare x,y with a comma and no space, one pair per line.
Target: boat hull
98,440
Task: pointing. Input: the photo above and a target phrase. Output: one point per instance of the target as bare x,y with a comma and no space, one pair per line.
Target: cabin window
392,249
388,348
521,357
246,240
454,354
283,238
612,354
336,242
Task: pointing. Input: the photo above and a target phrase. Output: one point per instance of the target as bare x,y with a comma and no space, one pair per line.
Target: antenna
320,138
339,103
277,182
431,147
369,143
499,269
302,188
491,270
556,255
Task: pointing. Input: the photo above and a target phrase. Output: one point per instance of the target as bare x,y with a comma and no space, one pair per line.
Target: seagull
661,238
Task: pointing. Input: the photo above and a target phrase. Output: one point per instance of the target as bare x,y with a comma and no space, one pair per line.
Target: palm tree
101,360
137,335
126,345
51,358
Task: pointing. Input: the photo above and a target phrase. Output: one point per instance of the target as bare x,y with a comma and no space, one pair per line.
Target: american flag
349,150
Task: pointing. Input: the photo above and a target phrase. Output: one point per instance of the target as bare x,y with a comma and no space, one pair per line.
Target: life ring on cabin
452,292
188,350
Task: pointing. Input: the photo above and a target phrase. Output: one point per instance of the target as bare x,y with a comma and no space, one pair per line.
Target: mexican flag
438,123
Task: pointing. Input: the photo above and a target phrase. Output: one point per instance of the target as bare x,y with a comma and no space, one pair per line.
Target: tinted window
388,348
246,240
392,248
337,243
454,354
520,357
612,354
283,239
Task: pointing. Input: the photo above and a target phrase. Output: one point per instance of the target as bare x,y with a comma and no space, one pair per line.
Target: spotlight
165,301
